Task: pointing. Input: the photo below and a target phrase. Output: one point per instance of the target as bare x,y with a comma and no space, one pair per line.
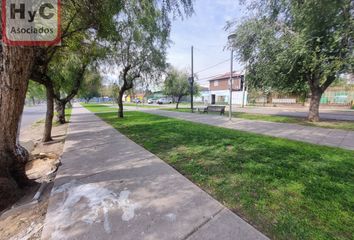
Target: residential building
220,91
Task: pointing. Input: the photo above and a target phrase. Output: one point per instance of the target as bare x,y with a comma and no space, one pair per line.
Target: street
32,114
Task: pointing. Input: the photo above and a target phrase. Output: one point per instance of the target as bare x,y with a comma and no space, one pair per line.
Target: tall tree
17,66
297,45
67,71
80,19
144,28
177,86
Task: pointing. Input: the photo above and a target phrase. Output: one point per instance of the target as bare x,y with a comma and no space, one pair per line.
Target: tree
144,28
80,20
177,86
297,46
91,86
17,65
67,71
35,92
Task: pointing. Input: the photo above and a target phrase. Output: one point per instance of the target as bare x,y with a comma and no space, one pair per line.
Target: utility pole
230,84
192,80
244,87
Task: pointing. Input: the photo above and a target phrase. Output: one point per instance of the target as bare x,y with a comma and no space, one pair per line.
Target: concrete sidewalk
321,136
111,188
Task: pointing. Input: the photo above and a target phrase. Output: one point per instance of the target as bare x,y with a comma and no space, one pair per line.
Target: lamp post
230,37
191,79
230,83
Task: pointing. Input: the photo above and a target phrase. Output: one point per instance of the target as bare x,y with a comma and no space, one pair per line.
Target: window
216,83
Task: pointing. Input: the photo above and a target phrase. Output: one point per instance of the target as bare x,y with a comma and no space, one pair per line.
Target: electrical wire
215,65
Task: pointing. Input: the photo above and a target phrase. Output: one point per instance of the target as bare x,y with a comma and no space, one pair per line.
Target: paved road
106,191
320,136
345,115
32,115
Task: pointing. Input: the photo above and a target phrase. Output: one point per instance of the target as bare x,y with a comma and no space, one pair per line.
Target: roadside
32,114
25,220
288,189
249,115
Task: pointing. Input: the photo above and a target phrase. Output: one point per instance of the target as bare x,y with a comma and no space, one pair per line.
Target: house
203,96
220,91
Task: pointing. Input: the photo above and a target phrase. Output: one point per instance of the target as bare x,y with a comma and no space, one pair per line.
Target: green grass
287,189
140,105
345,125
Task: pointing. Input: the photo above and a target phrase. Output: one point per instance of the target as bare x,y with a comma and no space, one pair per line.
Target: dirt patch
25,220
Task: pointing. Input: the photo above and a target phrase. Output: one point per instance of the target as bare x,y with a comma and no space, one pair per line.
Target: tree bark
314,112
47,135
178,101
16,65
120,103
60,109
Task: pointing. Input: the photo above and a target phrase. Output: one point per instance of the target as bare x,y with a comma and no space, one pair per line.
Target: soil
26,217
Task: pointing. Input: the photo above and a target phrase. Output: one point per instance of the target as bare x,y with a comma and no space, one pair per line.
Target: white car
151,101
164,101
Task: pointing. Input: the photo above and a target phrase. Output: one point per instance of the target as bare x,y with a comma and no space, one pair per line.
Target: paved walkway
108,187
321,136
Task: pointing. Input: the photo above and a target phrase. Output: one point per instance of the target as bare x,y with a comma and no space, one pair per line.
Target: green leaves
291,41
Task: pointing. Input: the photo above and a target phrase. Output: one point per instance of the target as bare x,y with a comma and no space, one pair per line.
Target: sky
205,30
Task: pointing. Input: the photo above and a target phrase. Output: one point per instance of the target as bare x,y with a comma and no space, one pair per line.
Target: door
213,97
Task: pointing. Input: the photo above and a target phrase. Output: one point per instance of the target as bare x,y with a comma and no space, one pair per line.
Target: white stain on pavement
171,217
87,203
127,206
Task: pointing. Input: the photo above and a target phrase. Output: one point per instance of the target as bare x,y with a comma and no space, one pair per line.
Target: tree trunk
178,101
314,113
120,103
60,109
16,65
47,136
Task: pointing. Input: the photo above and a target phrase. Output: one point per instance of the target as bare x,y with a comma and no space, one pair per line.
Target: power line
215,65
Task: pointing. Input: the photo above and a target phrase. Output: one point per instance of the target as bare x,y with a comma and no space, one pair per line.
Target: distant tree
145,27
177,86
91,86
296,46
35,92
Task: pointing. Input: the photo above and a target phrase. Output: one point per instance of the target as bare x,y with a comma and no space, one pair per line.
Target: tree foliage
35,92
296,46
91,85
177,86
144,27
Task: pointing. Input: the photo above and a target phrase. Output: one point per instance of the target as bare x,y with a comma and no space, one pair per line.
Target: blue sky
205,31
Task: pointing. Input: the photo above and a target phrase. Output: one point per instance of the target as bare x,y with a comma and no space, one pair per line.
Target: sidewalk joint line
202,224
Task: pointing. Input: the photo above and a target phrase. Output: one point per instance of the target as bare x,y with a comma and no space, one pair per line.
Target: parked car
136,100
164,101
151,101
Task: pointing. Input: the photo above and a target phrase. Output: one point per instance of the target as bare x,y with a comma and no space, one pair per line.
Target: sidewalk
111,188
321,136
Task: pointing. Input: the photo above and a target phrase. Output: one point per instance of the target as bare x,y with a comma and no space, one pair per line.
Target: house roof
225,76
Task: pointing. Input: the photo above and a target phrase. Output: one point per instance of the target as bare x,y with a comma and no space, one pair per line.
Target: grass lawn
140,105
345,125
287,189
